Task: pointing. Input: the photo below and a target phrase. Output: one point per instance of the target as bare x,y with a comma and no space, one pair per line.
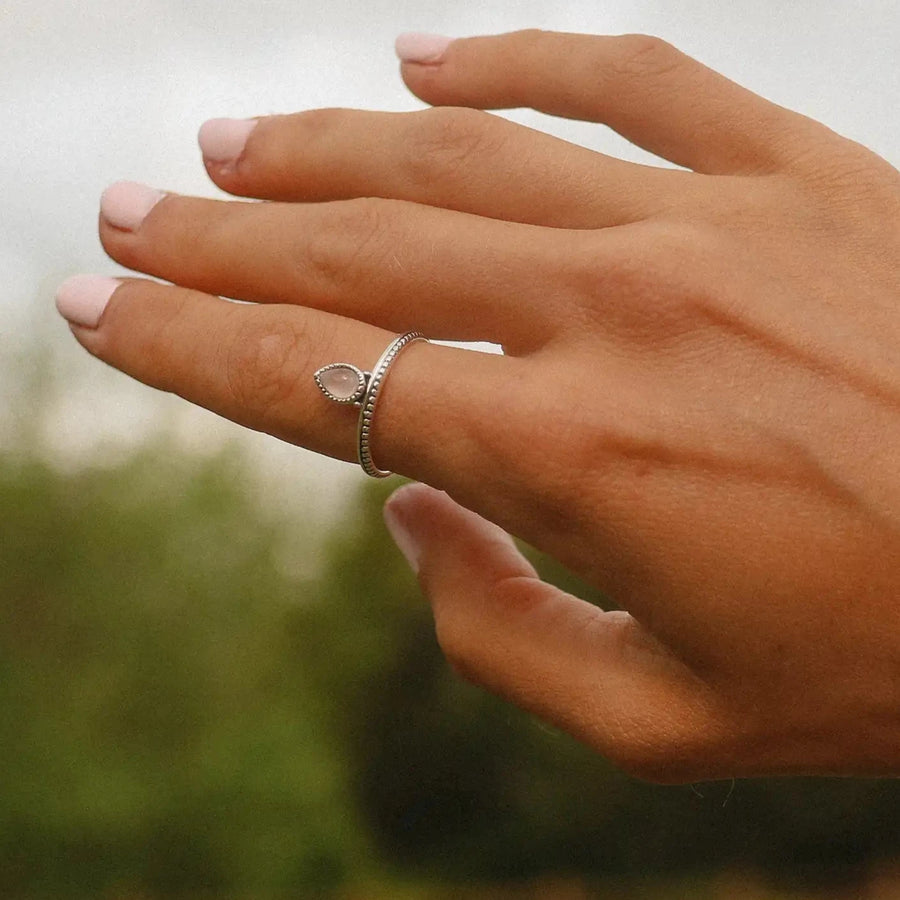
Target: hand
698,408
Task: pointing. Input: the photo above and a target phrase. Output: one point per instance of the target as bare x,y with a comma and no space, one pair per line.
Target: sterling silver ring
345,383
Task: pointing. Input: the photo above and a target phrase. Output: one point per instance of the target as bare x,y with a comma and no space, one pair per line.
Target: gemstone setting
341,382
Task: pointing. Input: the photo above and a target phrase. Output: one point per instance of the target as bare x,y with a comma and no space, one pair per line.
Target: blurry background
207,689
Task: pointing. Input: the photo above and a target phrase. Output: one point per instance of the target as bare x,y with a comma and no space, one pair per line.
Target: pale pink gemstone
340,383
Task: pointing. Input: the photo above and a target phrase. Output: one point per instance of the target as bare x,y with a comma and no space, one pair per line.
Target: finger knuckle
657,276
854,186
321,120
529,38
693,284
349,240
262,361
171,321
449,139
879,205
642,57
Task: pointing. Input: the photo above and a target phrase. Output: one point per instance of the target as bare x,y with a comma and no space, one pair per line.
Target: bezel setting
365,397
361,383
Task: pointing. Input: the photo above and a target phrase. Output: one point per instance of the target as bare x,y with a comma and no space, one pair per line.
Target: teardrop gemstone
341,382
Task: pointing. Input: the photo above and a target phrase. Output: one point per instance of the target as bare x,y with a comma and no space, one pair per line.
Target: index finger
644,88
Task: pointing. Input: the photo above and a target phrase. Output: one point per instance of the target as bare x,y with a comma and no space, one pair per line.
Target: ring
345,383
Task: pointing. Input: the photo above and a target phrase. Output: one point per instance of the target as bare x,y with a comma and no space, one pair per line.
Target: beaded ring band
345,383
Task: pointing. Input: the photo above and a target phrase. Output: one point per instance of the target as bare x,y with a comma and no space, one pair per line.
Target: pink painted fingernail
125,204
416,47
222,141
81,299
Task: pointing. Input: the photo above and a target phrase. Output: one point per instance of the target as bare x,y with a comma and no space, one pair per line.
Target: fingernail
81,299
222,141
403,537
125,204
416,47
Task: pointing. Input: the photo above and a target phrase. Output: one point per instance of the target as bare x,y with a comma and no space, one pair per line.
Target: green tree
154,736
179,715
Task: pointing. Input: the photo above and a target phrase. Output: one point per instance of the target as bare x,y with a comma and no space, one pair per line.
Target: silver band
364,394
373,390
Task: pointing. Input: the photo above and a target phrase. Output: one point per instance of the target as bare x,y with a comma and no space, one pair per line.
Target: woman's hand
698,408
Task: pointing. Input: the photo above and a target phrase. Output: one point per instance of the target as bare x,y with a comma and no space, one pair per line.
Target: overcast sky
91,92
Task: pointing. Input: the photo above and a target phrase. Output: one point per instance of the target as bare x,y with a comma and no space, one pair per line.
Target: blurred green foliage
181,716
150,733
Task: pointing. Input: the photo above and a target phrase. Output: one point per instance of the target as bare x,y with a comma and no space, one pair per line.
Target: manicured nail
421,48
403,537
125,204
222,141
81,299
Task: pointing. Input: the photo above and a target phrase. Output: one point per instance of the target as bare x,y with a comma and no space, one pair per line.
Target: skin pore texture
697,408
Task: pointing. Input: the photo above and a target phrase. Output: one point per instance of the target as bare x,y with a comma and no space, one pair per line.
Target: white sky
91,92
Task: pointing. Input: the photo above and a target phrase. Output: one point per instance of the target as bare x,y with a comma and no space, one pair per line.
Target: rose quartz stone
342,383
